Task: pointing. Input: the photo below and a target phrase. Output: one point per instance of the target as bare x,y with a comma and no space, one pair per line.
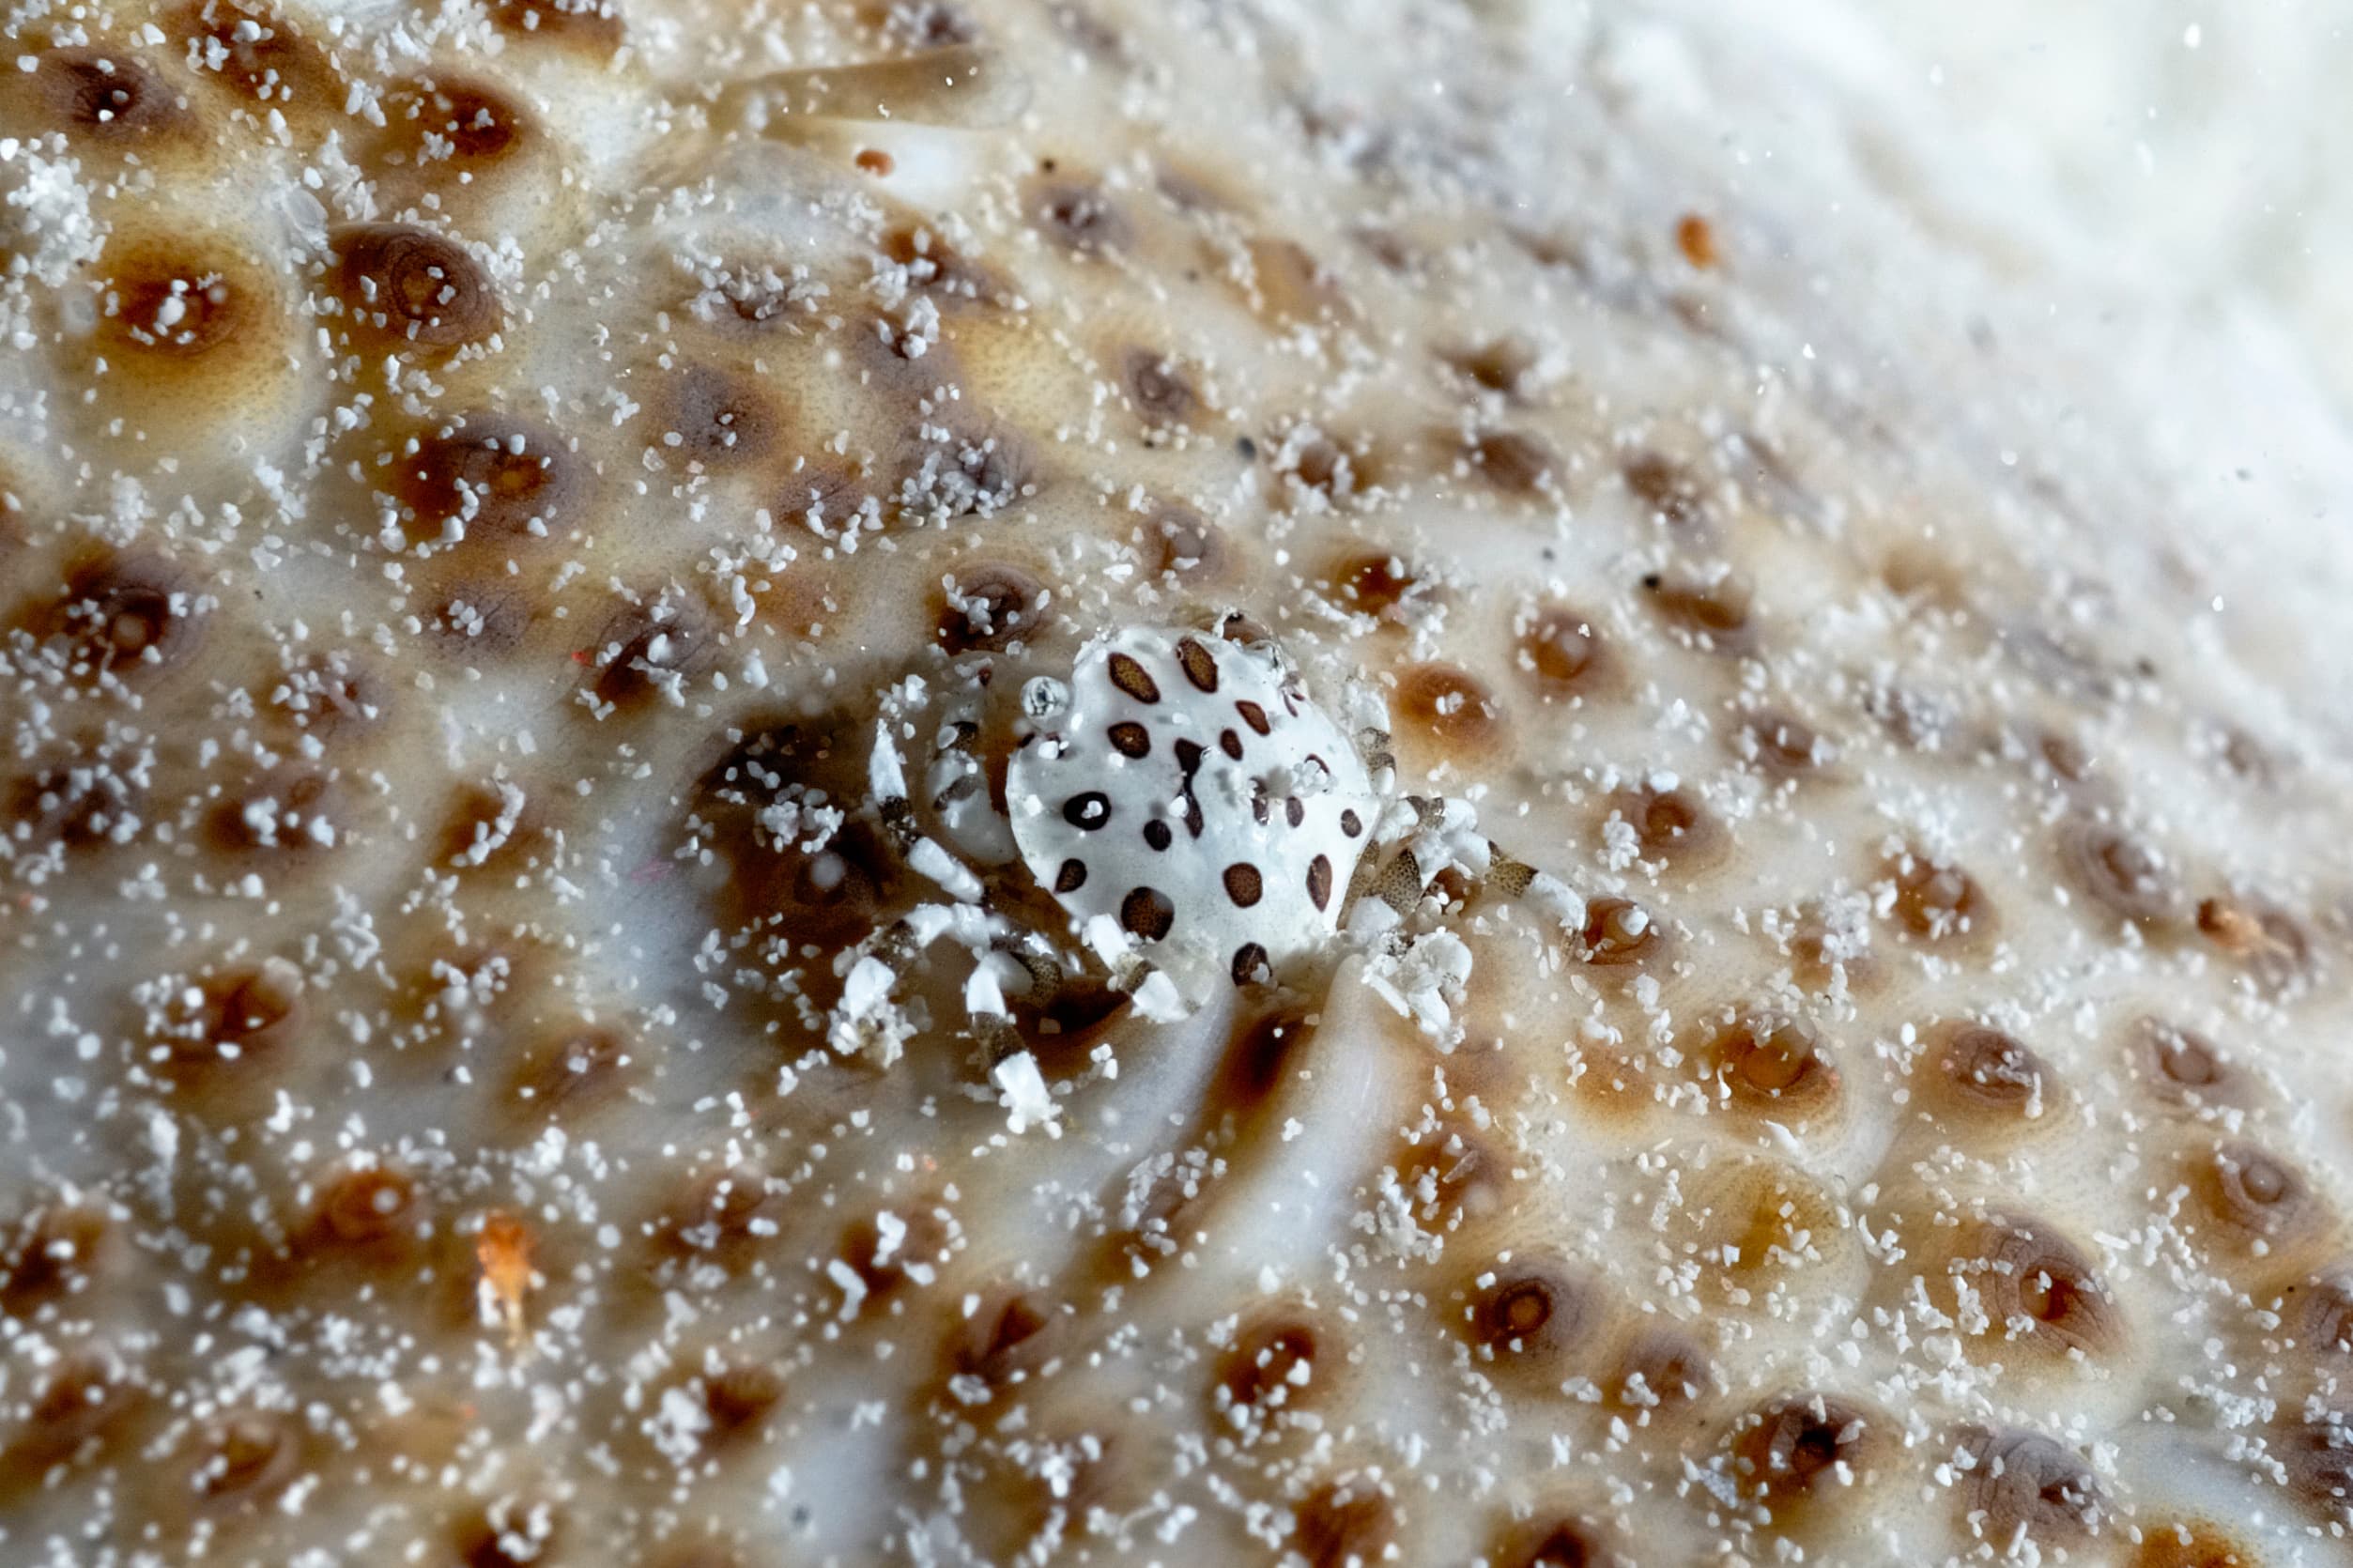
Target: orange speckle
874,161
504,1251
1696,238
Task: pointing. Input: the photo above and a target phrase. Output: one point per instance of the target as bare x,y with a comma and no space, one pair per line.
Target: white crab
1198,817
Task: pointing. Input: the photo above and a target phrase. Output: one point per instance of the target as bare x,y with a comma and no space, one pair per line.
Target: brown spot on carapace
170,303
1146,913
1500,364
403,286
738,1396
1132,679
496,476
1553,1541
369,1207
2184,1066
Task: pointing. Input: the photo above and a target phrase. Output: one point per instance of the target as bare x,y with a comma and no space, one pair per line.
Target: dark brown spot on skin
1197,664
645,648
721,420
131,615
1251,966
1253,715
1661,1369
1319,879
2186,1545
1771,1059
1792,1448
409,286
1498,365
1130,739
1158,834
2256,1197
1134,679
107,94
1666,487
1552,1543
1562,652
1449,705
1071,877
499,477
56,1251
1146,913
1188,758
1244,886
1162,394
1230,744
1618,931
2035,1284
2024,1485
248,1457
1186,546
1005,1339
1936,902
1669,824
739,1396
1986,1070
262,55
2185,1067
1351,824
2122,875
2318,1454
1088,812
1294,813
1696,239
1781,746
2266,939
1078,216
1512,461
1344,1523
180,301
1715,609
991,605
1377,585
594,24
461,126
1533,1313
1269,1365
366,1207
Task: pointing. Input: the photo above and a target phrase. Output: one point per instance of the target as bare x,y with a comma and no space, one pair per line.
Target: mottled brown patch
1939,904
497,476
1343,1522
1714,609
2123,874
108,95
1775,1062
2022,1485
1449,705
1619,932
1560,651
717,418
1794,1449
988,605
261,55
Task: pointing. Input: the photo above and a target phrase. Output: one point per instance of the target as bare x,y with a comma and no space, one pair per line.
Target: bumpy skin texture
478,480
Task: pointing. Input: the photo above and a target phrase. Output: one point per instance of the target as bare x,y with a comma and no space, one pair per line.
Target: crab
1197,818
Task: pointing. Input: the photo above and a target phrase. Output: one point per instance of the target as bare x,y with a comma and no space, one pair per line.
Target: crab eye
1199,798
